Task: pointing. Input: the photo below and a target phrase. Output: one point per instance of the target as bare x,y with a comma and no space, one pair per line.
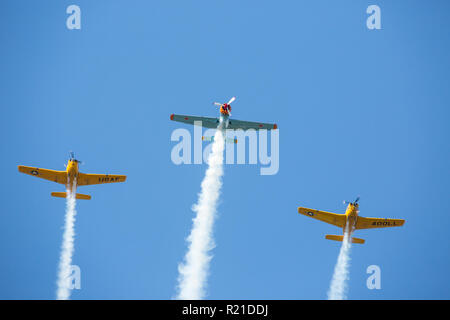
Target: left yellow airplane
72,178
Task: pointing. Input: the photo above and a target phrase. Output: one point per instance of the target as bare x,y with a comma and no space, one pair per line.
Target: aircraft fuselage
72,175
224,120
351,214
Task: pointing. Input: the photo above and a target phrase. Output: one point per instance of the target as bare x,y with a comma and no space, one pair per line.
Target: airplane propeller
72,157
229,102
353,203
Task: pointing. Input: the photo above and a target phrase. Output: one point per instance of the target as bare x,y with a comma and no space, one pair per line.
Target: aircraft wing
52,175
245,125
85,179
328,217
206,122
371,223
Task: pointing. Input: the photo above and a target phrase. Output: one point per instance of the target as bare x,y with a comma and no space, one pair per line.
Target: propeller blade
231,100
217,104
357,199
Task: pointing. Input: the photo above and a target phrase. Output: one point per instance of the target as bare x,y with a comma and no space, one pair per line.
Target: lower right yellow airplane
350,220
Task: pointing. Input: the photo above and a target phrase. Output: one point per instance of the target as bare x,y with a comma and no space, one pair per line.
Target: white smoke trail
338,286
67,248
194,272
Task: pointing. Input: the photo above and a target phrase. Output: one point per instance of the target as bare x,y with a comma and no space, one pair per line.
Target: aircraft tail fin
77,196
341,237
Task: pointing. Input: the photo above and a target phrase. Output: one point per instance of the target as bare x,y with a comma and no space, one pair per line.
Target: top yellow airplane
350,220
72,178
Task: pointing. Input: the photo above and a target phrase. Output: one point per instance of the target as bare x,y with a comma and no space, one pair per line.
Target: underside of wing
328,217
51,175
201,121
245,125
371,223
85,179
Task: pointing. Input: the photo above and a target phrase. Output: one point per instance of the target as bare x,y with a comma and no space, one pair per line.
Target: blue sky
361,112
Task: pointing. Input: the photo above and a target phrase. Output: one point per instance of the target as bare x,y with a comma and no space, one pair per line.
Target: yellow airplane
350,220
72,178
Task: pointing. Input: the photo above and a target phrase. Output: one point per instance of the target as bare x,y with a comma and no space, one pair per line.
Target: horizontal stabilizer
59,194
340,238
227,140
77,196
83,196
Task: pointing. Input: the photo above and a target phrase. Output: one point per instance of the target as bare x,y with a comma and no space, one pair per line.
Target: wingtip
171,116
275,126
